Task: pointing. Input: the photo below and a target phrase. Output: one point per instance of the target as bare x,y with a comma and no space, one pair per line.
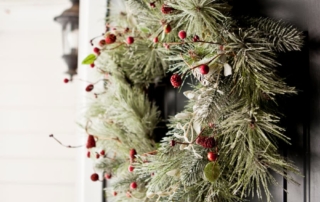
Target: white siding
35,102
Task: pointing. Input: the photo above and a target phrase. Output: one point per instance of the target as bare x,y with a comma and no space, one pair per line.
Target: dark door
302,112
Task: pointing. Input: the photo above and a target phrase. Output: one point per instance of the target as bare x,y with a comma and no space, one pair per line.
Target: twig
67,146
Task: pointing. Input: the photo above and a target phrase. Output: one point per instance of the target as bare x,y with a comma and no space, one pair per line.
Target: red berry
152,4
110,38
133,185
156,40
114,193
102,152
89,87
195,38
167,46
132,153
92,65
130,168
94,177
212,156
206,142
108,176
204,69
96,50
130,40
167,29
102,42
66,80
176,80
172,143
182,34
165,9
91,142
88,154
97,155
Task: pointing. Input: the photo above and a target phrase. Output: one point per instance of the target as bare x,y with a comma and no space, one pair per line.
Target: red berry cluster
165,9
91,142
206,142
132,155
176,80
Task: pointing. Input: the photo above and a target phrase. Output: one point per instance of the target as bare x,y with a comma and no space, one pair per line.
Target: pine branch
282,36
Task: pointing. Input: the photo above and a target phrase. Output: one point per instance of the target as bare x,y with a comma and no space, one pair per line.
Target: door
301,111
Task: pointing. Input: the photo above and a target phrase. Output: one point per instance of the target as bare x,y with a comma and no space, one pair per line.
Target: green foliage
89,59
281,36
201,17
234,103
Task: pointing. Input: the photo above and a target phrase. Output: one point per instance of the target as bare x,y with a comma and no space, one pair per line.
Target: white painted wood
39,95
37,146
37,170
12,192
92,14
35,102
47,120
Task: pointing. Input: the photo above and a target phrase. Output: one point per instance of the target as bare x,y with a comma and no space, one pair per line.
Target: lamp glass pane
70,39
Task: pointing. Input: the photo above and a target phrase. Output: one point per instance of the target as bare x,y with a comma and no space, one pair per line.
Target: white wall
91,24
35,102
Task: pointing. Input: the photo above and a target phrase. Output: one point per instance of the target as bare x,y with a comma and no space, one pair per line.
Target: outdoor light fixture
69,19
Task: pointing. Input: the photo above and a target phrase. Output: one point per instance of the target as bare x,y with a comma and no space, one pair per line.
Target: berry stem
91,40
108,138
67,146
182,143
122,43
183,42
151,153
198,135
194,139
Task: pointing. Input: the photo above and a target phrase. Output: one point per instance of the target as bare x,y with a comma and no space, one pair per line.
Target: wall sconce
69,19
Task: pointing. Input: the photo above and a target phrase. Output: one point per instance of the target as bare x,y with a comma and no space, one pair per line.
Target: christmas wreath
223,145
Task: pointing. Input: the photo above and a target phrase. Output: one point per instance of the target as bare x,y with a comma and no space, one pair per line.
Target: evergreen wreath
223,145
